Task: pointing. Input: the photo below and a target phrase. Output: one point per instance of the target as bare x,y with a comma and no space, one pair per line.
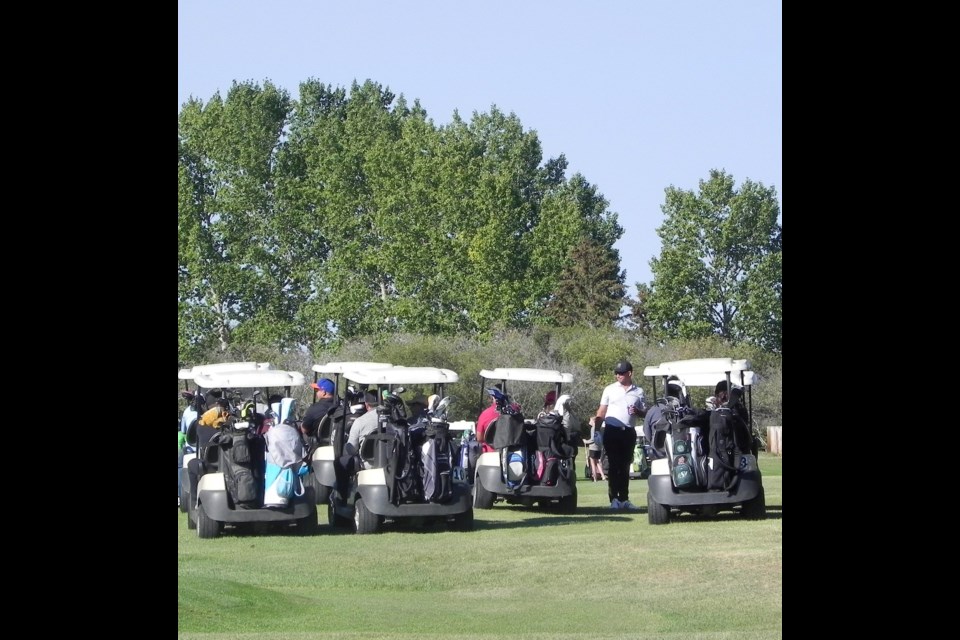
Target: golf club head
442,407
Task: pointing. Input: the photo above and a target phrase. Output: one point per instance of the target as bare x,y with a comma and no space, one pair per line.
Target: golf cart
534,457
323,476
189,452
639,466
707,460
231,487
407,467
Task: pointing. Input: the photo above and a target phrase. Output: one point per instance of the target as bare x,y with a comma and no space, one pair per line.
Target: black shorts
595,455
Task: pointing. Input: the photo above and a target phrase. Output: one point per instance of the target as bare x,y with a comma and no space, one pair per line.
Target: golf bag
552,447
242,464
729,439
403,467
437,457
469,452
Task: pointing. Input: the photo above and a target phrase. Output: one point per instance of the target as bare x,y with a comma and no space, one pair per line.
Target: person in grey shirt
364,425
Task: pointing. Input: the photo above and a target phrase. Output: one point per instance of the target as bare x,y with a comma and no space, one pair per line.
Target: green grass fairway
523,574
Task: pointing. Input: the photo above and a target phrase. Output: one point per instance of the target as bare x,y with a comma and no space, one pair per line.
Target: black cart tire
756,508
482,499
207,527
365,520
656,512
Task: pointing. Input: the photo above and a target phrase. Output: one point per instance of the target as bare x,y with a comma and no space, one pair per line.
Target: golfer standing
620,406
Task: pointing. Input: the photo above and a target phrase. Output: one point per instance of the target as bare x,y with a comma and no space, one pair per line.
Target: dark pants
619,445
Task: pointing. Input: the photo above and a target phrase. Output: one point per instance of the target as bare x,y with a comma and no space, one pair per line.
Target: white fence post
775,440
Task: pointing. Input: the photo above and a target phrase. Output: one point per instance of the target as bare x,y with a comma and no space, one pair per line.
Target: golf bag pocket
279,487
240,449
514,467
551,469
684,476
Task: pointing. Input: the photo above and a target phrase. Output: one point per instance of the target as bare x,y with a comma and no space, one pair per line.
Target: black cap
721,386
623,366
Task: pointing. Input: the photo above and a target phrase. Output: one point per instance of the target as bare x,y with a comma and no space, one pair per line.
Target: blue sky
638,95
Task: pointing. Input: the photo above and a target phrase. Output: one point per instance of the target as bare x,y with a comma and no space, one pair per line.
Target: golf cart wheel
207,527
656,512
191,514
463,521
756,508
568,504
365,520
482,499
337,521
308,526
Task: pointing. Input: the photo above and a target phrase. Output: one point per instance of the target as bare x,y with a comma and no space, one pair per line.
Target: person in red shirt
487,417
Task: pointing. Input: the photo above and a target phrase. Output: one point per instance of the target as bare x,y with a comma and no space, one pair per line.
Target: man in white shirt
620,407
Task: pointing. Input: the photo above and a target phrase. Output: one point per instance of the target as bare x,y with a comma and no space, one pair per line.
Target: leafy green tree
496,214
573,213
591,291
637,318
720,268
231,273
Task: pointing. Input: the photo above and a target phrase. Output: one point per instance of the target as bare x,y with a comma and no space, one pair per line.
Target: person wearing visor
621,405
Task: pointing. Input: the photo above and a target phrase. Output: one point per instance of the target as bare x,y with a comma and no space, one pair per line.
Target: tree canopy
720,270
343,214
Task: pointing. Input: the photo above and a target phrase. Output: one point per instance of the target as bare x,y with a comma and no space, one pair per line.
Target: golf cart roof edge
526,374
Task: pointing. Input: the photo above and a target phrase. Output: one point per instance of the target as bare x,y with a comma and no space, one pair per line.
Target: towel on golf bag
281,486
508,431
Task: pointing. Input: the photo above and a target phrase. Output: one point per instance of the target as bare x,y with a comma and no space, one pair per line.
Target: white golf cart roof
201,369
341,367
250,379
402,375
528,375
705,372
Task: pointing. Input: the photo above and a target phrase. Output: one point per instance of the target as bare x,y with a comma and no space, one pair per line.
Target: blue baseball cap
324,384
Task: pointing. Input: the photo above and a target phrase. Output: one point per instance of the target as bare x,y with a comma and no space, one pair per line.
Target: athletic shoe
629,506
615,504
